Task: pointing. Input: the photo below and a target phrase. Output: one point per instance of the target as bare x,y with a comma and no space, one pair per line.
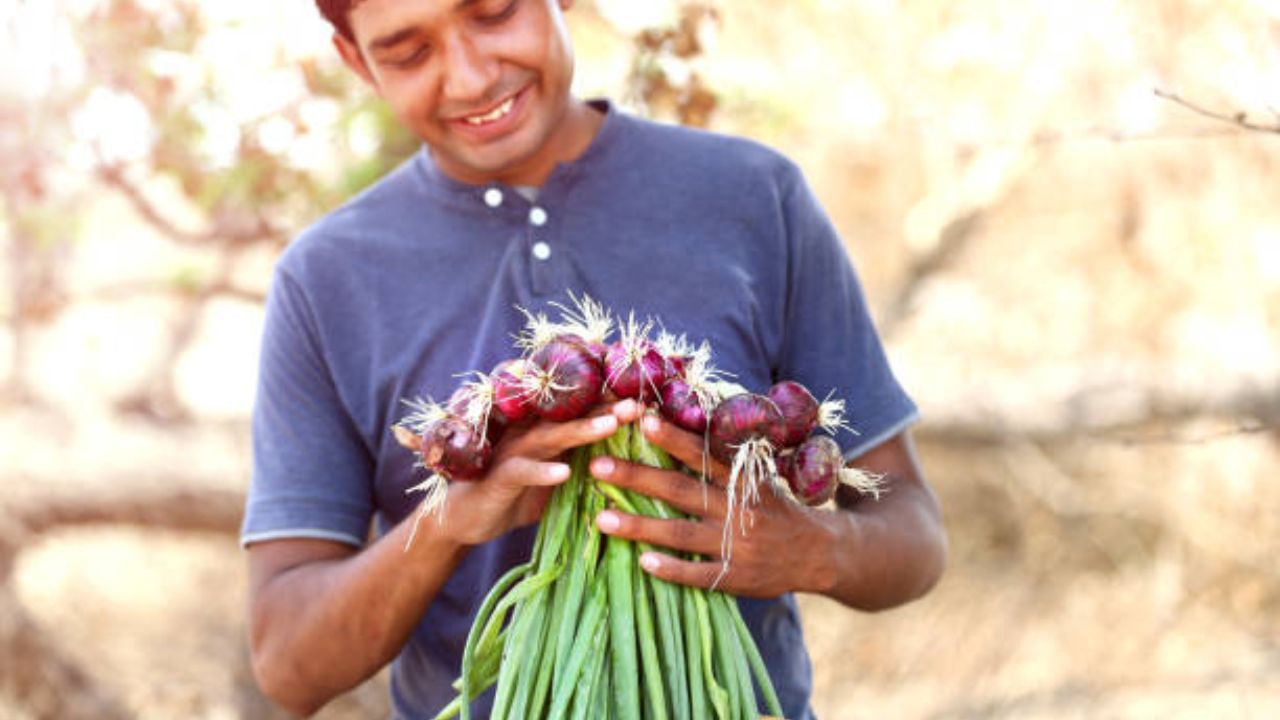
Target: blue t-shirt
414,282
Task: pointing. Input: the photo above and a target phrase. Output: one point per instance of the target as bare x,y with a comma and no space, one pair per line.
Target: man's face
485,83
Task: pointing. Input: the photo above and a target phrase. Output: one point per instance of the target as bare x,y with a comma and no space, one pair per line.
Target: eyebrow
403,34
392,39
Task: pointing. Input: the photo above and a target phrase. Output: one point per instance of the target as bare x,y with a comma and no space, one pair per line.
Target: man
521,194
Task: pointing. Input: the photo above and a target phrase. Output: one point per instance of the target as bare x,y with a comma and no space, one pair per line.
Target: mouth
494,122
493,115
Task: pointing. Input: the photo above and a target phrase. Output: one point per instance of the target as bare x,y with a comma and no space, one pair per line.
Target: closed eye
486,15
411,58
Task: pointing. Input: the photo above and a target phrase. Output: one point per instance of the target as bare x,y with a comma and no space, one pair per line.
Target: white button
538,216
493,197
541,250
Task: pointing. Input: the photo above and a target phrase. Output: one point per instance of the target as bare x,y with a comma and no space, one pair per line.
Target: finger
684,493
709,574
689,448
627,411
677,534
545,440
518,472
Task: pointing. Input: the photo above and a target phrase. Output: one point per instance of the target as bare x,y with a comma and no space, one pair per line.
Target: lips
503,108
492,122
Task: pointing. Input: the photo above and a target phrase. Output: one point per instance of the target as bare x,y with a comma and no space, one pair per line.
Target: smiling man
521,194
484,83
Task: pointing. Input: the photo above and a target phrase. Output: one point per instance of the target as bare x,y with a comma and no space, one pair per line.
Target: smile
495,114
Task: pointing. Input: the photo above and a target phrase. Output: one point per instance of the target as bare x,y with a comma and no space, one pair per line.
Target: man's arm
869,554
325,616
899,547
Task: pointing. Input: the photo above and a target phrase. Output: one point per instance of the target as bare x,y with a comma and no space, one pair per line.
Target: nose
469,70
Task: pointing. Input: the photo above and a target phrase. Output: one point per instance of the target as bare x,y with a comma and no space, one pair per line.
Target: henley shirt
416,281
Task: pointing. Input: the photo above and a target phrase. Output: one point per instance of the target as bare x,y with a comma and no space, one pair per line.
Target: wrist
830,534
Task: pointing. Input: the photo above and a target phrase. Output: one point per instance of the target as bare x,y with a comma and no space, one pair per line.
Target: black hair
335,11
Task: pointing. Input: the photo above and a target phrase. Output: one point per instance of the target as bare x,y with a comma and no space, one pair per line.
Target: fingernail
651,423
649,561
602,467
558,472
608,521
605,422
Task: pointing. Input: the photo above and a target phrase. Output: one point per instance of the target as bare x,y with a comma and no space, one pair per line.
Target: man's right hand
325,616
527,465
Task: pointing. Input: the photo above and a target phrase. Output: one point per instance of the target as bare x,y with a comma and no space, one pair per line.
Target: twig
1239,118
114,177
128,290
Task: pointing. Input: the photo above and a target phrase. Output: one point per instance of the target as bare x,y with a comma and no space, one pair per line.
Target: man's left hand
777,545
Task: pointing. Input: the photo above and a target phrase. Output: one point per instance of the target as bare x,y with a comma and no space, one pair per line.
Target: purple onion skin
812,470
799,410
460,401
680,406
452,448
509,394
676,365
740,418
577,376
638,378
597,349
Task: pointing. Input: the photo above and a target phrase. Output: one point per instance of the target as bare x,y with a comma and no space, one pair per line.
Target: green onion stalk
579,631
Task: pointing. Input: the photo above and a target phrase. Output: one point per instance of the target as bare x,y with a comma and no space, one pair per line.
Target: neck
576,130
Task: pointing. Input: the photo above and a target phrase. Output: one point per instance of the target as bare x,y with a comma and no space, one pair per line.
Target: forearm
320,628
886,552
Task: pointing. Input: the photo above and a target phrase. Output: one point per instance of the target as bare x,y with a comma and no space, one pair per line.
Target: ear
354,59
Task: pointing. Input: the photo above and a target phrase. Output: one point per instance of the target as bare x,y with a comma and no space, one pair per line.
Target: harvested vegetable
799,411
580,631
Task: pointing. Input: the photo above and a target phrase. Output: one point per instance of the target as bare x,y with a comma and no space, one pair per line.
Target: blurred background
1065,215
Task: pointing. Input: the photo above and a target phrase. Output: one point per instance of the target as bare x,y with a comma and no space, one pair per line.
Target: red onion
799,410
474,402
812,470
510,395
452,447
680,405
635,369
564,380
740,418
676,364
596,349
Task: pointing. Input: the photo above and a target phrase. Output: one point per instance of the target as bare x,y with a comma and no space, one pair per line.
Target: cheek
411,99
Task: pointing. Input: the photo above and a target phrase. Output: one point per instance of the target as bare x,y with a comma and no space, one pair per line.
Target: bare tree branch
188,509
40,675
1061,137
951,243
259,230
1166,422
1239,118
129,290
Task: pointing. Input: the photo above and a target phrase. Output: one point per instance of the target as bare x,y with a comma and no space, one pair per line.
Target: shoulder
369,213
702,154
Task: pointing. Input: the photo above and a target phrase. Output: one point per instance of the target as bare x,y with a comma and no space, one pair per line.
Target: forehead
370,19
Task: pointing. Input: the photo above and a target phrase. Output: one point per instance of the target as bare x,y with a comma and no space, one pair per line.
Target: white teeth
498,112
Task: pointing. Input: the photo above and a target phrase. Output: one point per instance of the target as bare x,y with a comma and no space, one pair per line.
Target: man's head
485,83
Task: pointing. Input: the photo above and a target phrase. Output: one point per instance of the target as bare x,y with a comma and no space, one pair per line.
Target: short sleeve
311,469
829,342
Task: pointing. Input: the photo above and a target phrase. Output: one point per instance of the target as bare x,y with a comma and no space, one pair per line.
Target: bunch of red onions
570,366
579,626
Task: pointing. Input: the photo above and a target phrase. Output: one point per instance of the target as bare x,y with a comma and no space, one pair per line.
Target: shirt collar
438,182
